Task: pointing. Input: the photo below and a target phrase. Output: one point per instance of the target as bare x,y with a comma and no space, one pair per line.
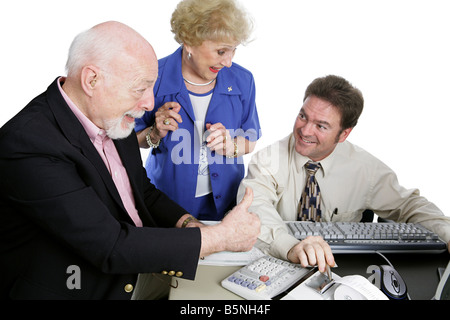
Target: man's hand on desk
237,232
311,251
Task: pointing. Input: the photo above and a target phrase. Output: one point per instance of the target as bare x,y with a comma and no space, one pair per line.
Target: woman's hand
167,119
219,139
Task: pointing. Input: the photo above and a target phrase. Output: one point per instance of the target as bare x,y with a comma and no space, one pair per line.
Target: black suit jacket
59,208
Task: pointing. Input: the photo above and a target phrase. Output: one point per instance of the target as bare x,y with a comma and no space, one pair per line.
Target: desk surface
206,285
419,271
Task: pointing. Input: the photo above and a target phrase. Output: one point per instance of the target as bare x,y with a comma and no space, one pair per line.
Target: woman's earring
189,56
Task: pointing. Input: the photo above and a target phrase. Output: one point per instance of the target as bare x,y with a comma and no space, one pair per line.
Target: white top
200,103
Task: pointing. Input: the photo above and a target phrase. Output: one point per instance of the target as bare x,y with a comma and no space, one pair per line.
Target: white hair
93,46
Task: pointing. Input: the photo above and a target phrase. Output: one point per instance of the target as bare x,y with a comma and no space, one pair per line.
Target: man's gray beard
114,127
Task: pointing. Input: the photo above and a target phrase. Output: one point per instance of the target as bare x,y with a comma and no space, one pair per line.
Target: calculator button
260,288
245,283
252,286
264,278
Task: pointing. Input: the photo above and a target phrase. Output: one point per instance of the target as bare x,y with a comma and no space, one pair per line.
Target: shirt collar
171,80
91,129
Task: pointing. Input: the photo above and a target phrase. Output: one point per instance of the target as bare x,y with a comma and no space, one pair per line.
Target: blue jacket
173,166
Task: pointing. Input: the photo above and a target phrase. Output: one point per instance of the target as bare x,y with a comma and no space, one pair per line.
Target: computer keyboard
367,237
265,278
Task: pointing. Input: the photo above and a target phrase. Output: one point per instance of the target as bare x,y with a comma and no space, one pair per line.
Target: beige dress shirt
351,180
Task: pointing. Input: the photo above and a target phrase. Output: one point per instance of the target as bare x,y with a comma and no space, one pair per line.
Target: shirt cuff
280,247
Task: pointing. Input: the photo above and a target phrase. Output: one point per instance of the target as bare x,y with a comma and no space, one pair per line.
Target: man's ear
89,77
344,134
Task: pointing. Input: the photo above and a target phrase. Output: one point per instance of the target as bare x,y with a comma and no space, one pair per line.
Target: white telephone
320,287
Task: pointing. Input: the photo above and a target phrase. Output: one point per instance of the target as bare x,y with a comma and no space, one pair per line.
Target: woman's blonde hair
195,21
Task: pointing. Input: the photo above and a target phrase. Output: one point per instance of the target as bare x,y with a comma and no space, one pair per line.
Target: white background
395,51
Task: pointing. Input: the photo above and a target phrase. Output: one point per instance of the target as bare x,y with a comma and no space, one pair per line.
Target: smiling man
349,179
74,195
317,129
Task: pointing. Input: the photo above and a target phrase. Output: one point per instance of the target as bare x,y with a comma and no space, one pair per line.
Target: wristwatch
187,220
149,140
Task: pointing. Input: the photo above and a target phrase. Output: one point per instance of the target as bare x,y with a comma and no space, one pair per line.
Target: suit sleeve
56,190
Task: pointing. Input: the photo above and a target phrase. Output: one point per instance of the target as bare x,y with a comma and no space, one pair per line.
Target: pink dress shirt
108,152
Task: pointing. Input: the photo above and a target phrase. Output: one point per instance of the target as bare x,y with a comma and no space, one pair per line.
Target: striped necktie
309,209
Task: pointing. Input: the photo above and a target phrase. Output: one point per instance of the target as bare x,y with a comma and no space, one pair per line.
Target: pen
335,211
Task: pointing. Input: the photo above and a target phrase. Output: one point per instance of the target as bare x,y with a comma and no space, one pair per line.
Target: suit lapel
128,150
77,136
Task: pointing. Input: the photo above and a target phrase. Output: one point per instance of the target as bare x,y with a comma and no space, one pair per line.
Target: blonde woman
205,116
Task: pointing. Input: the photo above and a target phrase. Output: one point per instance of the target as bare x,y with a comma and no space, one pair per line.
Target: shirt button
128,288
215,175
218,196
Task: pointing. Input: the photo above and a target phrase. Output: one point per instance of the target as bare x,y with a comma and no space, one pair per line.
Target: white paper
228,258
357,287
353,287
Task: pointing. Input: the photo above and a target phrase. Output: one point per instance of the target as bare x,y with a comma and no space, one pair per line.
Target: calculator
265,278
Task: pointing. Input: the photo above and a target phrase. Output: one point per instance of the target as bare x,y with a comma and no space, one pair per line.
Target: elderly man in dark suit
78,217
